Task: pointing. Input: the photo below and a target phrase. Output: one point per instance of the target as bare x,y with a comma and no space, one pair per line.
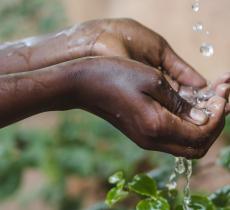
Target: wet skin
122,84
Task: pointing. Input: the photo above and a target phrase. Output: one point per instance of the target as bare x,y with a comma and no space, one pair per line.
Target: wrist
25,94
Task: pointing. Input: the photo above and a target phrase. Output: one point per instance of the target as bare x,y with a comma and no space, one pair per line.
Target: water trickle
188,172
182,167
207,49
198,27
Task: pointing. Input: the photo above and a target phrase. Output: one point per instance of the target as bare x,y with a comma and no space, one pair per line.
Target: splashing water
178,170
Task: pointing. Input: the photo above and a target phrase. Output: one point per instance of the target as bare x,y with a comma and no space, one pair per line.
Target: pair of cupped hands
137,82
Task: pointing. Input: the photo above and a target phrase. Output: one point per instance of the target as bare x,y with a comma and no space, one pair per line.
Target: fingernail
198,116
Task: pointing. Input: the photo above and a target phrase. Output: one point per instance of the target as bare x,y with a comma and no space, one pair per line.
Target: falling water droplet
207,50
198,27
196,7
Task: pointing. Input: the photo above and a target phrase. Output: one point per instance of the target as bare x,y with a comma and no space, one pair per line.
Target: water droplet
159,82
198,27
208,112
196,7
205,95
207,50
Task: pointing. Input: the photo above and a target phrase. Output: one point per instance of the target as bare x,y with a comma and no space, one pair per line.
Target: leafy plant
152,198
21,18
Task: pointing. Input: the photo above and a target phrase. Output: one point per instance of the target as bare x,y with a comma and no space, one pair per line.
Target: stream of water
183,166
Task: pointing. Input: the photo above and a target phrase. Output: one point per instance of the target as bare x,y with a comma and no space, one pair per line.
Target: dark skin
127,90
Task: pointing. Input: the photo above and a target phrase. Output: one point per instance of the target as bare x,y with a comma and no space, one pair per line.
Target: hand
110,37
128,38
138,100
199,97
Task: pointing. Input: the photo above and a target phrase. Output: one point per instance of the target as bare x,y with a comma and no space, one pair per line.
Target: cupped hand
138,100
130,39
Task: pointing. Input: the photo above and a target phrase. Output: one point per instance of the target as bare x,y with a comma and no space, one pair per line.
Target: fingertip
197,117
223,90
225,78
216,106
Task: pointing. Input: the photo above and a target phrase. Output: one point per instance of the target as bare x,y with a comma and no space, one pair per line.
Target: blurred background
61,161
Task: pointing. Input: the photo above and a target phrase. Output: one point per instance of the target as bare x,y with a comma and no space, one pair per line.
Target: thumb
180,70
172,101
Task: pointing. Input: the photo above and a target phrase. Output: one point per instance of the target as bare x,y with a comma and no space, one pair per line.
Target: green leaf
117,177
143,185
201,203
158,203
221,198
172,196
115,195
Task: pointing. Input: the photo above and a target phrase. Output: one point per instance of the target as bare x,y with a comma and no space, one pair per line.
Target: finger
216,106
181,132
187,134
170,99
180,70
225,78
223,90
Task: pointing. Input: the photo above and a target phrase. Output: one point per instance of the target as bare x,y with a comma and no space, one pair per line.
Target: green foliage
25,17
221,198
143,185
152,198
80,145
201,202
153,204
115,194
